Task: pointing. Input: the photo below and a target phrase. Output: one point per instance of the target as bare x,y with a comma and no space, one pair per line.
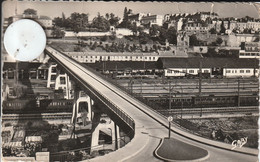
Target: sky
55,9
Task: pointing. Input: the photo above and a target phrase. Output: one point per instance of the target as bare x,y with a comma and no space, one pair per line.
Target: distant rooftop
194,62
32,16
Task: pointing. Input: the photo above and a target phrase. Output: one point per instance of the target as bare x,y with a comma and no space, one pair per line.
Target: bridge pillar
82,108
62,81
52,72
109,128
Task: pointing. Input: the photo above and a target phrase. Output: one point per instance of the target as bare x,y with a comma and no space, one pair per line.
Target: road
155,131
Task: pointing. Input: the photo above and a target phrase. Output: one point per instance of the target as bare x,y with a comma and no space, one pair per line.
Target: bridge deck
150,127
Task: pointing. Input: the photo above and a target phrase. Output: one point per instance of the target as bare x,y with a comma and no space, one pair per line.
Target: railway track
43,116
219,110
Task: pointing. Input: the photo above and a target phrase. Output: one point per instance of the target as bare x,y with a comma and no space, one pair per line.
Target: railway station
147,86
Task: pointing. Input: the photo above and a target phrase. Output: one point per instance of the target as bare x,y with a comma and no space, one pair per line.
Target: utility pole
238,92
170,97
181,101
200,74
141,84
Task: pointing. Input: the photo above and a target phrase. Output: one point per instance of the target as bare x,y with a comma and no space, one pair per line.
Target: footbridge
147,126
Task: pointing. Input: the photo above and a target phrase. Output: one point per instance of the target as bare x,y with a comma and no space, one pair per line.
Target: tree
171,35
154,31
59,22
143,38
104,38
213,31
57,33
222,28
30,11
193,40
101,23
219,41
126,23
107,16
114,20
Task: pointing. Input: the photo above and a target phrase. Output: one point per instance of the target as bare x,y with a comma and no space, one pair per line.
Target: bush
104,38
112,37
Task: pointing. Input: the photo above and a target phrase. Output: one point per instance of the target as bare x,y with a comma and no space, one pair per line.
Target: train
206,101
37,106
64,105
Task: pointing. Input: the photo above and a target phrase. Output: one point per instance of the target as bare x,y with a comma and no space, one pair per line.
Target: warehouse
214,67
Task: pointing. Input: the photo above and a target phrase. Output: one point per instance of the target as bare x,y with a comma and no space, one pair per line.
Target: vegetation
30,11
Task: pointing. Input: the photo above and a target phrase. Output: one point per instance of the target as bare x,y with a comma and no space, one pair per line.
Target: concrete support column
82,109
109,128
50,73
66,86
37,74
116,137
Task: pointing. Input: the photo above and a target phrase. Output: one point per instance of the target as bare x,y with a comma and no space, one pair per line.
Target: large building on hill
152,20
44,21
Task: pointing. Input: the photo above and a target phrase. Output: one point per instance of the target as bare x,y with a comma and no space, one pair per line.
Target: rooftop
208,62
124,65
39,17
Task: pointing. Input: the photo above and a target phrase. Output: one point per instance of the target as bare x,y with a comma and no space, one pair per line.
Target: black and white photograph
129,81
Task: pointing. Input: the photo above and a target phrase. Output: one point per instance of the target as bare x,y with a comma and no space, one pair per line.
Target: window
206,71
247,71
227,71
241,71
169,71
191,71
53,77
62,80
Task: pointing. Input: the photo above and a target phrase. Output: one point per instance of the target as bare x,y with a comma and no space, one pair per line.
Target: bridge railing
86,153
120,113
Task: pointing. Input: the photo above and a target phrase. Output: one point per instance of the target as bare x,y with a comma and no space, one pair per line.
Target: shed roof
208,63
123,65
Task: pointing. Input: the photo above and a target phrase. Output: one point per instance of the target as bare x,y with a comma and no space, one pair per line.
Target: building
136,18
233,25
125,67
225,67
253,25
44,21
92,57
205,15
150,20
177,24
193,27
250,50
241,26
